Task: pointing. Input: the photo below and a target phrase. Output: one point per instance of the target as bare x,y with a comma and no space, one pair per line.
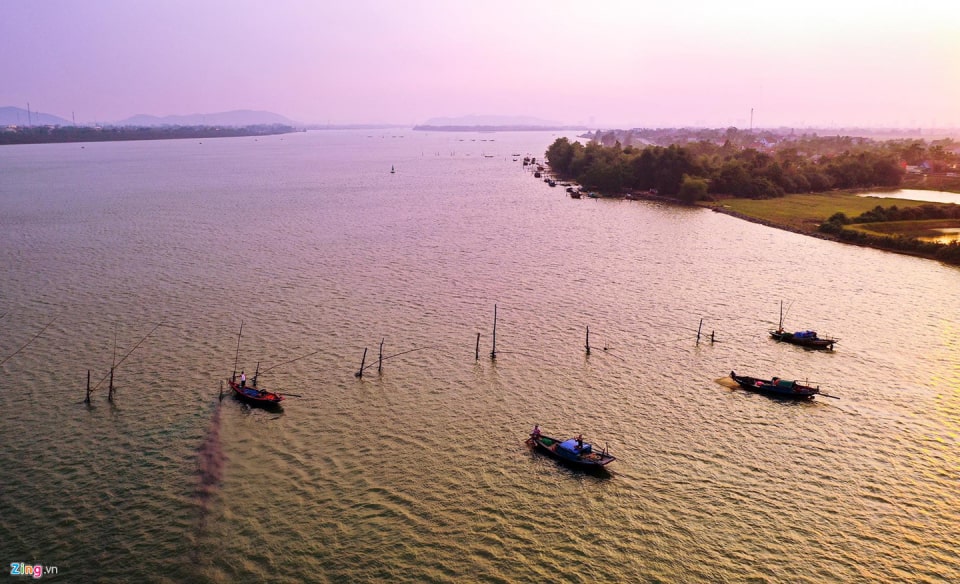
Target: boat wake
210,463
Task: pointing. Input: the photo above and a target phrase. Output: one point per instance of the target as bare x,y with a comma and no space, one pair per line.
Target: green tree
692,189
560,156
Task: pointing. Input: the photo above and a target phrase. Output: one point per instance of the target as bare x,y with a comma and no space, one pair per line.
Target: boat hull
551,447
810,343
254,397
774,388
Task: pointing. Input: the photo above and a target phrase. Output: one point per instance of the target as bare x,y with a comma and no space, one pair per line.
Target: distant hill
238,118
10,116
475,120
15,116
492,124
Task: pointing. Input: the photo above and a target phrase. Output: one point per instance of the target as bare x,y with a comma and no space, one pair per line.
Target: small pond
919,195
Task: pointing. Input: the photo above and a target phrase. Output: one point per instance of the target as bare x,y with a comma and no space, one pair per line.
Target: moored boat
573,451
776,387
808,339
254,396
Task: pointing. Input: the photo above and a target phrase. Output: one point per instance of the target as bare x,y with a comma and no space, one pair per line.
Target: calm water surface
420,473
946,235
919,195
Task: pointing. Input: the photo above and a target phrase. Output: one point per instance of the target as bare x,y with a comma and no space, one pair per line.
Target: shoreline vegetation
71,134
805,184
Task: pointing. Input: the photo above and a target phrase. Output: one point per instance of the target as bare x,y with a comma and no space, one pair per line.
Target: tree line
948,253
704,168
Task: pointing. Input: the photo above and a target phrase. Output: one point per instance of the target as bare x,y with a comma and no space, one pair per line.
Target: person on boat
243,380
579,441
535,435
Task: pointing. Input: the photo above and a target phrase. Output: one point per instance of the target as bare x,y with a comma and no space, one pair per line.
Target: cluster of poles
114,366
111,390
493,350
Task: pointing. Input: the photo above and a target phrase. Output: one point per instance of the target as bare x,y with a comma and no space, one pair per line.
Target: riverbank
804,214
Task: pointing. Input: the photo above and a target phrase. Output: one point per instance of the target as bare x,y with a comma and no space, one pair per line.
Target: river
419,472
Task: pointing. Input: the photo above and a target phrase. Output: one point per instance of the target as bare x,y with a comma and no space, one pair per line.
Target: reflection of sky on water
918,195
950,234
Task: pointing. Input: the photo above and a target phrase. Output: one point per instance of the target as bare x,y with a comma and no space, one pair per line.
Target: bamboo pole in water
237,358
113,365
362,361
493,352
588,340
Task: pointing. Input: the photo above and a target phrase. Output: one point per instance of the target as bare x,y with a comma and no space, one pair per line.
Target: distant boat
392,170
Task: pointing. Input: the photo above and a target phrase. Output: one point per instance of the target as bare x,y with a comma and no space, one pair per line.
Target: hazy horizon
613,64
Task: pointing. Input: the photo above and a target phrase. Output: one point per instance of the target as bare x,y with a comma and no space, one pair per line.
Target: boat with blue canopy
573,451
806,338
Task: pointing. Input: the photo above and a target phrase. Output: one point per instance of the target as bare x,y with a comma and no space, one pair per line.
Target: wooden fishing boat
251,395
254,396
776,387
574,451
808,339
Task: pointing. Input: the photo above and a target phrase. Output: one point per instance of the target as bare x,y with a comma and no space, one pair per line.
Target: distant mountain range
475,120
15,116
492,124
232,118
18,116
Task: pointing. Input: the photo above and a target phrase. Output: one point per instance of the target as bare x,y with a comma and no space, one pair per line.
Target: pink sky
599,63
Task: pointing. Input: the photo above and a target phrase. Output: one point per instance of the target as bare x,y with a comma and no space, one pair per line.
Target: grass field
806,212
